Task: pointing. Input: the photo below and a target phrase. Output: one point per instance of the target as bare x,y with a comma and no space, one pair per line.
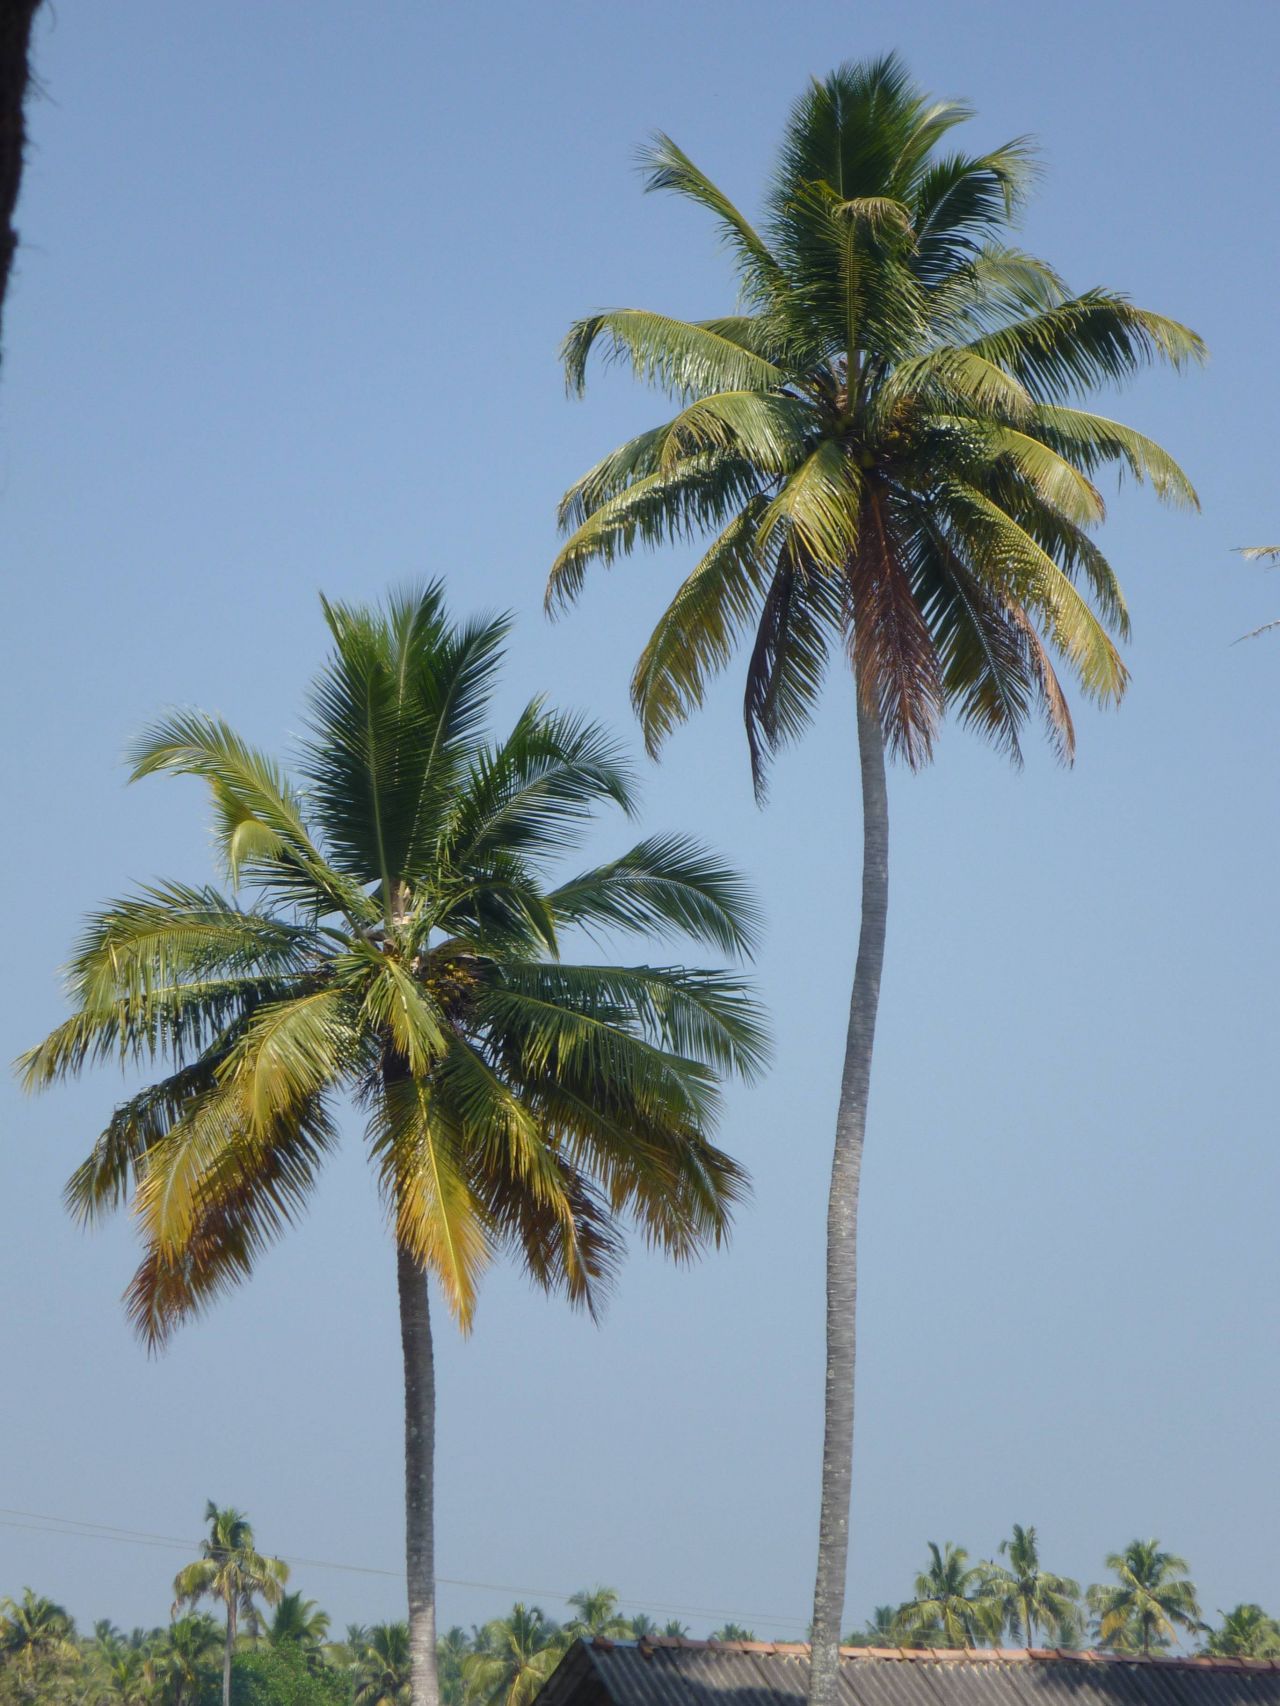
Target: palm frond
664,886
654,509
668,167
683,358
696,634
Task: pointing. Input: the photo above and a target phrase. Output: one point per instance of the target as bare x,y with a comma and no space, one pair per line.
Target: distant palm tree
184,1662
1030,1597
37,1640
1151,1598
1245,1633
451,1650
116,1668
880,1629
640,1627
879,448
733,1632
384,1668
405,947
597,1614
299,1622
674,1630
230,1569
951,1600
517,1655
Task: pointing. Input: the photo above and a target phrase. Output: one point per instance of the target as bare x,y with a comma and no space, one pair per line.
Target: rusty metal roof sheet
660,1672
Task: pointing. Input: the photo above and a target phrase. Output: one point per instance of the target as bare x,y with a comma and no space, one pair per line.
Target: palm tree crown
1031,1598
951,1600
1150,1599
596,1613
1246,1632
514,1656
881,441
405,945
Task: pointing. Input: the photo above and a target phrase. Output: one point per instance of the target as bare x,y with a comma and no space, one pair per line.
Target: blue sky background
286,318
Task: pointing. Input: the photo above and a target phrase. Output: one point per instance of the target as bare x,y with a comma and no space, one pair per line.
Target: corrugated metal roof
700,1673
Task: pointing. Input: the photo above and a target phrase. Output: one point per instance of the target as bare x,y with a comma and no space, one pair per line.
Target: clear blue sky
286,318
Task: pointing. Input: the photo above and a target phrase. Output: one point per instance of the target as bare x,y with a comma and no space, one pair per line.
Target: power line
37,1522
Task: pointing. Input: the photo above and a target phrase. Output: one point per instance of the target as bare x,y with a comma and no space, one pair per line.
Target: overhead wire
38,1522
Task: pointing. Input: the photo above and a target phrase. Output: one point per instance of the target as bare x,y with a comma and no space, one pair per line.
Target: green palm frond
1096,339
188,743
696,634
1092,441
657,508
684,358
438,1215
668,167
664,886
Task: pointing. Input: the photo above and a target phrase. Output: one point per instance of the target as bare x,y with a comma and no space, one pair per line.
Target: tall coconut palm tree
1150,1600
881,446
1245,1633
597,1613
516,1655
37,1640
1031,1598
231,1570
403,943
951,1600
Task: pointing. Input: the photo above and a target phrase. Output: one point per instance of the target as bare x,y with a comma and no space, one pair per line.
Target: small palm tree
384,1667
516,1656
951,1600
183,1664
232,1570
37,1642
1150,1600
880,447
732,1632
880,1629
597,1614
1245,1633
299,1622
674,1630
404,946
1031,1598
641,1626
452,1649
117,1672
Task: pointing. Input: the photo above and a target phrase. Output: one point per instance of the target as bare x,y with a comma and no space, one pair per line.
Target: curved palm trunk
419,1476
842,1220
15,75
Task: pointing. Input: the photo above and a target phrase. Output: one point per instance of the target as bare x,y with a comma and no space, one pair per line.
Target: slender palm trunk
15,75
842,1220
229,1647
419,1476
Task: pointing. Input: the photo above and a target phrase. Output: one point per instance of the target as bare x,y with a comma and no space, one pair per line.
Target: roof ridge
944,1655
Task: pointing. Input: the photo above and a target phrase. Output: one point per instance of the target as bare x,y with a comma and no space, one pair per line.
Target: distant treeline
288,1654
